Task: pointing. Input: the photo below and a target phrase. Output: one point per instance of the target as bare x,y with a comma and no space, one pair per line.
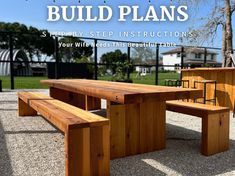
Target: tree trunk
229,33
224,46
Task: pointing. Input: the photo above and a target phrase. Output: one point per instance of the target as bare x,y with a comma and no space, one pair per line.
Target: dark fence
64,70
19,61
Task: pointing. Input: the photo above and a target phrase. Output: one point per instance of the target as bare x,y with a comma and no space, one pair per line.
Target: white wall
192,56
171,59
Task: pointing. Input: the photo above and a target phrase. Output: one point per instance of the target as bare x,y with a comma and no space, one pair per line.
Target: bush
121,72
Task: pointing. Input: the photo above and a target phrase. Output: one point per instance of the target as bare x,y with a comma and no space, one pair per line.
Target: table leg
92,103
136,128
79,100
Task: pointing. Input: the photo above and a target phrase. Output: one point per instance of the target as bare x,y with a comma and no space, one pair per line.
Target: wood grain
196,109
69,97
152,126
77,155
215,133
225,83
24,109
92,103
87,136
26,96
215,124
99,149
123,93
136,128
132,126
116,115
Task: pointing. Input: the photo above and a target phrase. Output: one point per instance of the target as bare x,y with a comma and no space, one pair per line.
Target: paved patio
31,146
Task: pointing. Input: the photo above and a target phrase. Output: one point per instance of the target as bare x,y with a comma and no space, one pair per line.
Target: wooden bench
215,124
86,138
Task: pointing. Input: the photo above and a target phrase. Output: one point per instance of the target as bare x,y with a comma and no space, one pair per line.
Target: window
177,66
212,56
178,55
198,55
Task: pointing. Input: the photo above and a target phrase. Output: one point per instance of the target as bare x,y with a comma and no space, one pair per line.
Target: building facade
192,57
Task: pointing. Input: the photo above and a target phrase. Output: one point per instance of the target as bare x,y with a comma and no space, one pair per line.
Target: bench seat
86,134
215,124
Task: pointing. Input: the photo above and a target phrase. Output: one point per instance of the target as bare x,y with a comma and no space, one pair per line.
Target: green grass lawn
23,82
34,82
149,78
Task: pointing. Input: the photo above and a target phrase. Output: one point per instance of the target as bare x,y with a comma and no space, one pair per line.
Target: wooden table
136,112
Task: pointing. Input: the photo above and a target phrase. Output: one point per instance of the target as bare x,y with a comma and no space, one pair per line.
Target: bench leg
215,133
100,150
87,151
24,109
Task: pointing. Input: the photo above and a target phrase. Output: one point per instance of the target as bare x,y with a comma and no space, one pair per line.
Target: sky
34,13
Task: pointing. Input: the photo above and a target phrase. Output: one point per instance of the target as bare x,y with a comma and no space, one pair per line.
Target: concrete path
30,146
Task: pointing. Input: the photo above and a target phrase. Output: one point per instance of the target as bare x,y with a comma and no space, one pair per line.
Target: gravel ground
30,146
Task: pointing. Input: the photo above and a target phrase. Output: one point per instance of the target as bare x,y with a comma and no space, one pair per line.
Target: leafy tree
39,42
219,16
143,54
111,58
75,54
121,72
27,38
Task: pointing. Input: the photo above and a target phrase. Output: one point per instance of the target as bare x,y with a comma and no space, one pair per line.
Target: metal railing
96,64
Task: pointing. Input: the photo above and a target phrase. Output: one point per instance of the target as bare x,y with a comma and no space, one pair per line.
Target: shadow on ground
181,157
5,161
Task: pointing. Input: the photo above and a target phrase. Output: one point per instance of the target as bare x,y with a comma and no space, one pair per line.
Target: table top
123,92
